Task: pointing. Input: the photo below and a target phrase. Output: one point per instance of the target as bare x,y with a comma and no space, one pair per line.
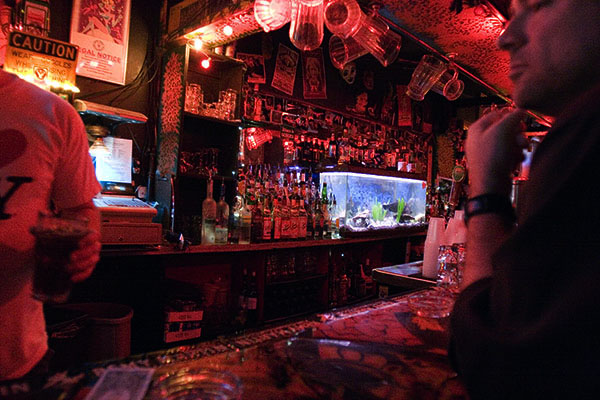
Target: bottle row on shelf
288,266
349,280
313,136
292,299
269,206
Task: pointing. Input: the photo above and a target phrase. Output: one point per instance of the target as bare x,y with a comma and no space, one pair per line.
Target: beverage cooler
369,203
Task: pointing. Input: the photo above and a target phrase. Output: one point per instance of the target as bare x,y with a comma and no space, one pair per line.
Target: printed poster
5,12
101,30
313,74
404,107
255,67
284,75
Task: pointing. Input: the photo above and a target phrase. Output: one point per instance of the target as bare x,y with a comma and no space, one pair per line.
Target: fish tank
373,203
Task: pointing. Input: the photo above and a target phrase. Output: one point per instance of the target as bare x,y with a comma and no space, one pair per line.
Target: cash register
125,219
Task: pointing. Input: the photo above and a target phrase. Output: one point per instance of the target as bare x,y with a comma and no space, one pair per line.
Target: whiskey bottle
222,217
209,215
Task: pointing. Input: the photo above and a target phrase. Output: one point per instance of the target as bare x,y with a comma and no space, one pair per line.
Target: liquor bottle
209,215
325,211
336,224
242,314
222,217
294,215
266,221
245,222
285,219
236,214
310,221
276,219
252,300
318,218
257,218
302,215
343,290
332,151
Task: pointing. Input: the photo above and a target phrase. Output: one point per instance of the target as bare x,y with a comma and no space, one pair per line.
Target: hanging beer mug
345,19
306,28
272,14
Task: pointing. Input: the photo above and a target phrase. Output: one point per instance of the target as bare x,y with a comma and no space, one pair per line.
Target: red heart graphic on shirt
12,145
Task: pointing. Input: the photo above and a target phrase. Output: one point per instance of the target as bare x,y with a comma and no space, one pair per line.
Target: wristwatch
490,203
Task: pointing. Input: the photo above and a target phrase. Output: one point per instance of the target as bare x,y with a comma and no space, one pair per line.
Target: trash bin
66,336
108,331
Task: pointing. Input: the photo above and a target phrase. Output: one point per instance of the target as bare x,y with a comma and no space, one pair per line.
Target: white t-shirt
43,156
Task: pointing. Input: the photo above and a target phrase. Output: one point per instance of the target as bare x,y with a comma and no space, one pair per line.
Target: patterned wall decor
170,112
470,34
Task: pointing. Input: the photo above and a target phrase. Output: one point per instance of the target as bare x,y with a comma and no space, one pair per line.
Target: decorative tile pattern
471,35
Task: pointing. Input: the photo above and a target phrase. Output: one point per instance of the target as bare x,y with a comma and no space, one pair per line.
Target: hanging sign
46,62
101,30
285,70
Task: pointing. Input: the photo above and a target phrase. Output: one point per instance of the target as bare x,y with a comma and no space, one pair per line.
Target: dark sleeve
555,355
531,330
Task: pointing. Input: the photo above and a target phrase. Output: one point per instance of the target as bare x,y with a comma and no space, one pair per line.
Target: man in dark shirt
525,324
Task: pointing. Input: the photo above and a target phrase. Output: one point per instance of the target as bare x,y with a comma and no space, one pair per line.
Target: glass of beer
55,239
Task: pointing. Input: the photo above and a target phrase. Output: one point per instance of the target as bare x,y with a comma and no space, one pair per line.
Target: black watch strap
490,203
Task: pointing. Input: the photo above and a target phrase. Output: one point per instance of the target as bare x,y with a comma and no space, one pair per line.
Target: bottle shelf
299,279
216,178
232,122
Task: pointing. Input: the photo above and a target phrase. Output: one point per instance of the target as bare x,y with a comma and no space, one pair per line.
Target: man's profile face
554,47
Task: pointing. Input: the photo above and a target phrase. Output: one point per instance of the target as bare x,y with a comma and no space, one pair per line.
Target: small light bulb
197,43
205,63
228,30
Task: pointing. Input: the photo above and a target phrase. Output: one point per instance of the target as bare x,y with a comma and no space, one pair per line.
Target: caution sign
41,59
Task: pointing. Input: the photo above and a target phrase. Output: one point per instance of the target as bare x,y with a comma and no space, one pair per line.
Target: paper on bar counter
122,383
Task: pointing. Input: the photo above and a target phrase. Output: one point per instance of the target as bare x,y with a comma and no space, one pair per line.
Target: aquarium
365,202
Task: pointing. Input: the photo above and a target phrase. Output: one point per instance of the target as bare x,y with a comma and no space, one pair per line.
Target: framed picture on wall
313,74
256,67
101,30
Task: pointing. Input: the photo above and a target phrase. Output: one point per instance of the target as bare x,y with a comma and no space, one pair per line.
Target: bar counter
376,350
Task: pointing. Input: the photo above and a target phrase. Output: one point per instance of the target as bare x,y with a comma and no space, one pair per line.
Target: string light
228,30
197,44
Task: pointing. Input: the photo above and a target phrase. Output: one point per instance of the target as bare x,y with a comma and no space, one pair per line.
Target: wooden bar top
376,350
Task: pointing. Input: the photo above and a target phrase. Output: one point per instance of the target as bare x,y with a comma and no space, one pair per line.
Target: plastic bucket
108,333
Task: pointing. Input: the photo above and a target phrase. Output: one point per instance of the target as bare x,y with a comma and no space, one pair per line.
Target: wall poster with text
101,30
284,75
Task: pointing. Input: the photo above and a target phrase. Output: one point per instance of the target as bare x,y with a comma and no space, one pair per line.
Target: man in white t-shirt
44,160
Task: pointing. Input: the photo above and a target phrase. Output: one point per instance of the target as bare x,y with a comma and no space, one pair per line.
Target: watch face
458,173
